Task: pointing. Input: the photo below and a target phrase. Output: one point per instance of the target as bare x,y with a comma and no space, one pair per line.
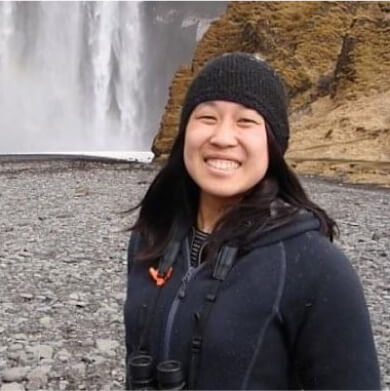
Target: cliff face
335,59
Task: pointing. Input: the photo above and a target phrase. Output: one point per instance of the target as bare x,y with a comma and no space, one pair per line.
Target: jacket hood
304,221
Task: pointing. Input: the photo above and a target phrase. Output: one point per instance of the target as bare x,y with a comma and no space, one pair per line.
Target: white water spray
69,76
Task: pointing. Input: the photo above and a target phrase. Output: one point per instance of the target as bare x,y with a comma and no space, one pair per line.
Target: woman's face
225,148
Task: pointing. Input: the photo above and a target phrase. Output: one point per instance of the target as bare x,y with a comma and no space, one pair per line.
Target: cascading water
70,76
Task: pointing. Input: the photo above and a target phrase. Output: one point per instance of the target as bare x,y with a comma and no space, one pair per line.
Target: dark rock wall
169,31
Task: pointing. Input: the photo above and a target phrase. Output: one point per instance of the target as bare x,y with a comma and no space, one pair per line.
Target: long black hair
171,205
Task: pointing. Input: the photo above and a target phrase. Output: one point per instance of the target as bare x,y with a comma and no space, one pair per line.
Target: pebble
62,385
43,308
94,359
41,351
37,383
78,370
12,387
120,297
106,345
63,355
87,342
74,296
109,353
38,378
15,374
20,337
15,347
40,371
27,358
46,321
14,355
47,362
27,296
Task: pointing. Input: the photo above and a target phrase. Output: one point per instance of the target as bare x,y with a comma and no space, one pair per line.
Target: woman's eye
247,121
207,118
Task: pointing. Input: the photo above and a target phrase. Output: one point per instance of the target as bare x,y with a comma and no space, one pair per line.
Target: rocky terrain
335,59
63,267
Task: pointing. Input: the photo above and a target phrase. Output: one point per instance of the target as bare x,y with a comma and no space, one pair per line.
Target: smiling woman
225,153
233,280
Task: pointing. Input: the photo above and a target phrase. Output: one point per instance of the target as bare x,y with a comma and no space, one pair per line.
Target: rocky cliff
335,59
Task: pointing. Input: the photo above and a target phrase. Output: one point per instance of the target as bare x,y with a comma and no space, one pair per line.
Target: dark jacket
290,314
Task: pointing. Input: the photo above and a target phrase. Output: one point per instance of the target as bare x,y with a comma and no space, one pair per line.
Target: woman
232,273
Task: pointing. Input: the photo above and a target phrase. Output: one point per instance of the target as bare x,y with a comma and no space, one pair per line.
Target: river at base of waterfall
128,156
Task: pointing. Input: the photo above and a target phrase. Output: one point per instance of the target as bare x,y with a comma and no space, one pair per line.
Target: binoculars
143,375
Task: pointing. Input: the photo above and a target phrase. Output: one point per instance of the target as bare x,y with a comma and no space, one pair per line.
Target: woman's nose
224,134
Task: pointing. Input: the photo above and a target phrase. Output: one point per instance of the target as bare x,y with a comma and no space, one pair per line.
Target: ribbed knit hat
241,78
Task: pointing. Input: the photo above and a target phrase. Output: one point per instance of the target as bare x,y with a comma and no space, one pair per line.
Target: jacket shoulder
315,263
322,295
315,254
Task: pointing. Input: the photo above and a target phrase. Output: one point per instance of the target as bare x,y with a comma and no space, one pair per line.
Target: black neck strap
223,265
225,261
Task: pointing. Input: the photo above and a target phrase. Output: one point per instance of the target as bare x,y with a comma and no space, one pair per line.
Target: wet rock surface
63,267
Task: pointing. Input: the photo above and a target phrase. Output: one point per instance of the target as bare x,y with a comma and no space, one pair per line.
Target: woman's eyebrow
251,113
205,104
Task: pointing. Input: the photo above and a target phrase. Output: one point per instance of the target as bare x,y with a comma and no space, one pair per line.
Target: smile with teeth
222,164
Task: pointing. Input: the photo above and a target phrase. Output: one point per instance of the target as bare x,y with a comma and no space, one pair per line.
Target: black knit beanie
241,78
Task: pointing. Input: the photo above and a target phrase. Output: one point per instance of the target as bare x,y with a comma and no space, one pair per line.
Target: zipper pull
182,292
183,287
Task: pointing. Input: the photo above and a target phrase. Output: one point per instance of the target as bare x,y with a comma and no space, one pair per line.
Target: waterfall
70,76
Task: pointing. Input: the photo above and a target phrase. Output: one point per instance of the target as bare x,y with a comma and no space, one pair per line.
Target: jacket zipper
189,275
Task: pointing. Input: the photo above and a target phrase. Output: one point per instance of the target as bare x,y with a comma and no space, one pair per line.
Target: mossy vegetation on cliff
335,59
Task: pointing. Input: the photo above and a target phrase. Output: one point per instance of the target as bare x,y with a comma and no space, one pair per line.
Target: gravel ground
63,267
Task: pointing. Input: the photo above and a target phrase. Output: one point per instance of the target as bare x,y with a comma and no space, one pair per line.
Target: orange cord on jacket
160,280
